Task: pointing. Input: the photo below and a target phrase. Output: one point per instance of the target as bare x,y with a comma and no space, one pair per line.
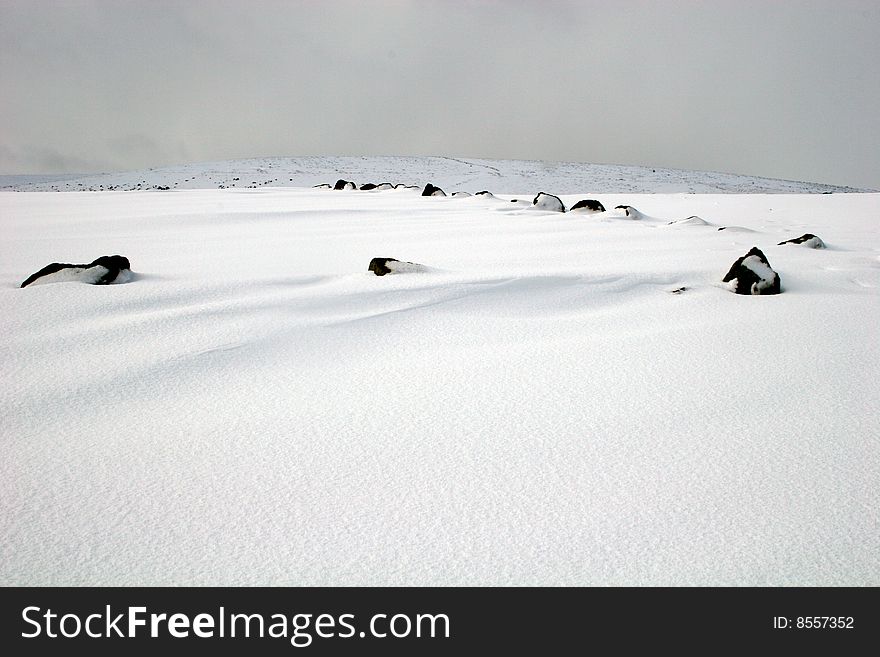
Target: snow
399,267
689,221
537,408
450,174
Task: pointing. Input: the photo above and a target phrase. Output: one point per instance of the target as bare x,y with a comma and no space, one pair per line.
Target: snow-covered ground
538,407
451,174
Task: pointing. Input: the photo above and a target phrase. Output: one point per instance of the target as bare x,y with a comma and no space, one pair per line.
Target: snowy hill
451,174
550,398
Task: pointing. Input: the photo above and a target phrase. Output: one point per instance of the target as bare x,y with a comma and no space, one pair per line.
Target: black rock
379,266
753,275
344,184
382,266
432,190
544,201
808,240
368,186
588,204
485,193
102,271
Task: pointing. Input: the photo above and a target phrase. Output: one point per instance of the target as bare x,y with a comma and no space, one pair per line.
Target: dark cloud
778,89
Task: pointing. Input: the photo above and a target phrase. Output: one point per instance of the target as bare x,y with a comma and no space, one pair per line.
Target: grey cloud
44,159
779,89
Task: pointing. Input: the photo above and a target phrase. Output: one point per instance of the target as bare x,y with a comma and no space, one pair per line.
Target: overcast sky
780,88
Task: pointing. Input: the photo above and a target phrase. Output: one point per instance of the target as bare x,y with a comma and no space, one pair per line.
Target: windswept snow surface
256,408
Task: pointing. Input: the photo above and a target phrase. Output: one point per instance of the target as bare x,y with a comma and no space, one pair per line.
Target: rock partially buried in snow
587,206
368,186
104,270
460,194
693,220
548,202
385,185
485,194
807,239
752,274
382,266
630,211
432,190
344,184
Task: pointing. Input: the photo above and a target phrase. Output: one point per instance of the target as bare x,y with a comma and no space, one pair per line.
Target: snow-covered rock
102,271
383,266
807,239
752,274
693,220
587,206
630,212
548,202
432,190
